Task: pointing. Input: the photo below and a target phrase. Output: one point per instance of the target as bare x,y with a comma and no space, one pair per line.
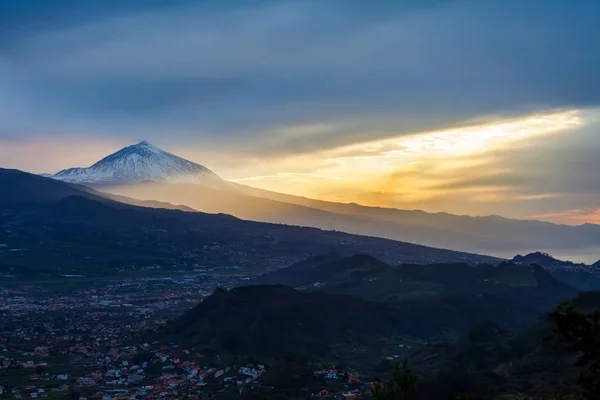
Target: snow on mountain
140,162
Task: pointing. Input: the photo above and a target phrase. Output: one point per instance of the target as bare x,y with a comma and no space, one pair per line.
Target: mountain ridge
544,260
489,235
370,278
247,321
145,146
58,221
494,235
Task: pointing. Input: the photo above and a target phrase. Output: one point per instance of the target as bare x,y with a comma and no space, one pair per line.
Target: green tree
401,385
581,331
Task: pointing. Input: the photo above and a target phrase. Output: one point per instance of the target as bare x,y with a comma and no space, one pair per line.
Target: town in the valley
97,343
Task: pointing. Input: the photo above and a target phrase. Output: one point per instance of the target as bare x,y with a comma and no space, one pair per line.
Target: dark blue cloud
25,16
239,72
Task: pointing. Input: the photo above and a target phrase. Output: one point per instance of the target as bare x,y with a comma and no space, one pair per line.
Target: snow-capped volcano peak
140,162
146,145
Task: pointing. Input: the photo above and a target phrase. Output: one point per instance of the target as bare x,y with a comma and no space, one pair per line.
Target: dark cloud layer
242,74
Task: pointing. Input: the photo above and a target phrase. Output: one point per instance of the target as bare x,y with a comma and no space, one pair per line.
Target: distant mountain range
58,226
529,287
145,172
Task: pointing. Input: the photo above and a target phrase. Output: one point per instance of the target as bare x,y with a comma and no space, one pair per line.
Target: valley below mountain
269,305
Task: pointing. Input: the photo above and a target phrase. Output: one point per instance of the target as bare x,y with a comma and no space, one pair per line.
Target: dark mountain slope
146,172
59,223
254,208
579,276
528,286
543,260
487,234
326,269
494,235
490,361
22,188
273,320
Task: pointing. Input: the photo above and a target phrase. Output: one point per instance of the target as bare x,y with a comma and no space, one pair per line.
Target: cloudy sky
472,107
